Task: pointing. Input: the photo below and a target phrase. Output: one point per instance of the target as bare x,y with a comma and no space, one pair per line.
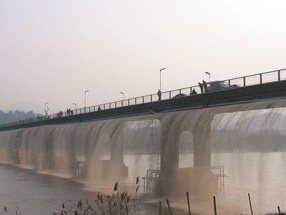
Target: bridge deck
242,94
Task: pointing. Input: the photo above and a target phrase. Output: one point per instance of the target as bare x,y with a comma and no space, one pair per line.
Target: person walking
201,87
205,86
194,92
159,93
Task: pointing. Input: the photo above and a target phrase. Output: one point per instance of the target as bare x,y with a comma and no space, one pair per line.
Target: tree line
13,116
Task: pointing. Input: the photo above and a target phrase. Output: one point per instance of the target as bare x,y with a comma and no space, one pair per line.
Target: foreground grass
116,204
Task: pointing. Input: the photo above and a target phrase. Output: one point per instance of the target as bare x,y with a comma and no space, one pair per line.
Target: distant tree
14,116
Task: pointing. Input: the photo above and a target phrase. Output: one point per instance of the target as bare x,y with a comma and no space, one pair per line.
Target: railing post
128,102
260,78
151,98
109,105
136,100
279,77
116,104
244,81
170,94
180,91
229,83
143,99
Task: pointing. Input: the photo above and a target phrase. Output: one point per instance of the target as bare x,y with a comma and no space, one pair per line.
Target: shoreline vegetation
124,203
119,203
128,203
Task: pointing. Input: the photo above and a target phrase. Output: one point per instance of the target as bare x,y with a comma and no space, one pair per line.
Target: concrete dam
179,151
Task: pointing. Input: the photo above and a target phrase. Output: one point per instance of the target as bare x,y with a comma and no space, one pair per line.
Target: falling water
246,139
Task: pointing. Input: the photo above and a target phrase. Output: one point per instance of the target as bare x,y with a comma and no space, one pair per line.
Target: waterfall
243,138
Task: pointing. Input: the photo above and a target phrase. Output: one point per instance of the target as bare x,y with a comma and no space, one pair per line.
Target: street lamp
161,77
85,92
122,93
46,110
208,75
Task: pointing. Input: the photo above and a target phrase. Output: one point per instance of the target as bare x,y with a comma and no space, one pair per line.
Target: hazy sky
52,50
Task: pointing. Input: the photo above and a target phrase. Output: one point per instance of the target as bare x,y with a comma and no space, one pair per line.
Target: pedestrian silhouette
159,93
205,86
201,87
69,112
194,92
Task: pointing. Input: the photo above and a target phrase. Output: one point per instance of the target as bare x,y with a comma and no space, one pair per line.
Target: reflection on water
261,174
33,194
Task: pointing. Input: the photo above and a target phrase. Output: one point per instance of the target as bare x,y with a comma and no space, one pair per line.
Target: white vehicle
219,85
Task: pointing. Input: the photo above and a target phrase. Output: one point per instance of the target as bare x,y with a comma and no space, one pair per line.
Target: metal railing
219,172
149,181
244,81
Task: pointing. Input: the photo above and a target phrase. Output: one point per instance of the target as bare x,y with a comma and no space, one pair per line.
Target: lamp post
46,110
85,92
161,77
208,75
122,93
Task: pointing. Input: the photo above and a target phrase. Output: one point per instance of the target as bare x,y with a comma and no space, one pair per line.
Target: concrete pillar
14,148
48,149
204,182
169,156
116,149
201,134
116,164
176,181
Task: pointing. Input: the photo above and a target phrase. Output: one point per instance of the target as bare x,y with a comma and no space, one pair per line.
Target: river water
260,174
29,193
32,193
250,146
